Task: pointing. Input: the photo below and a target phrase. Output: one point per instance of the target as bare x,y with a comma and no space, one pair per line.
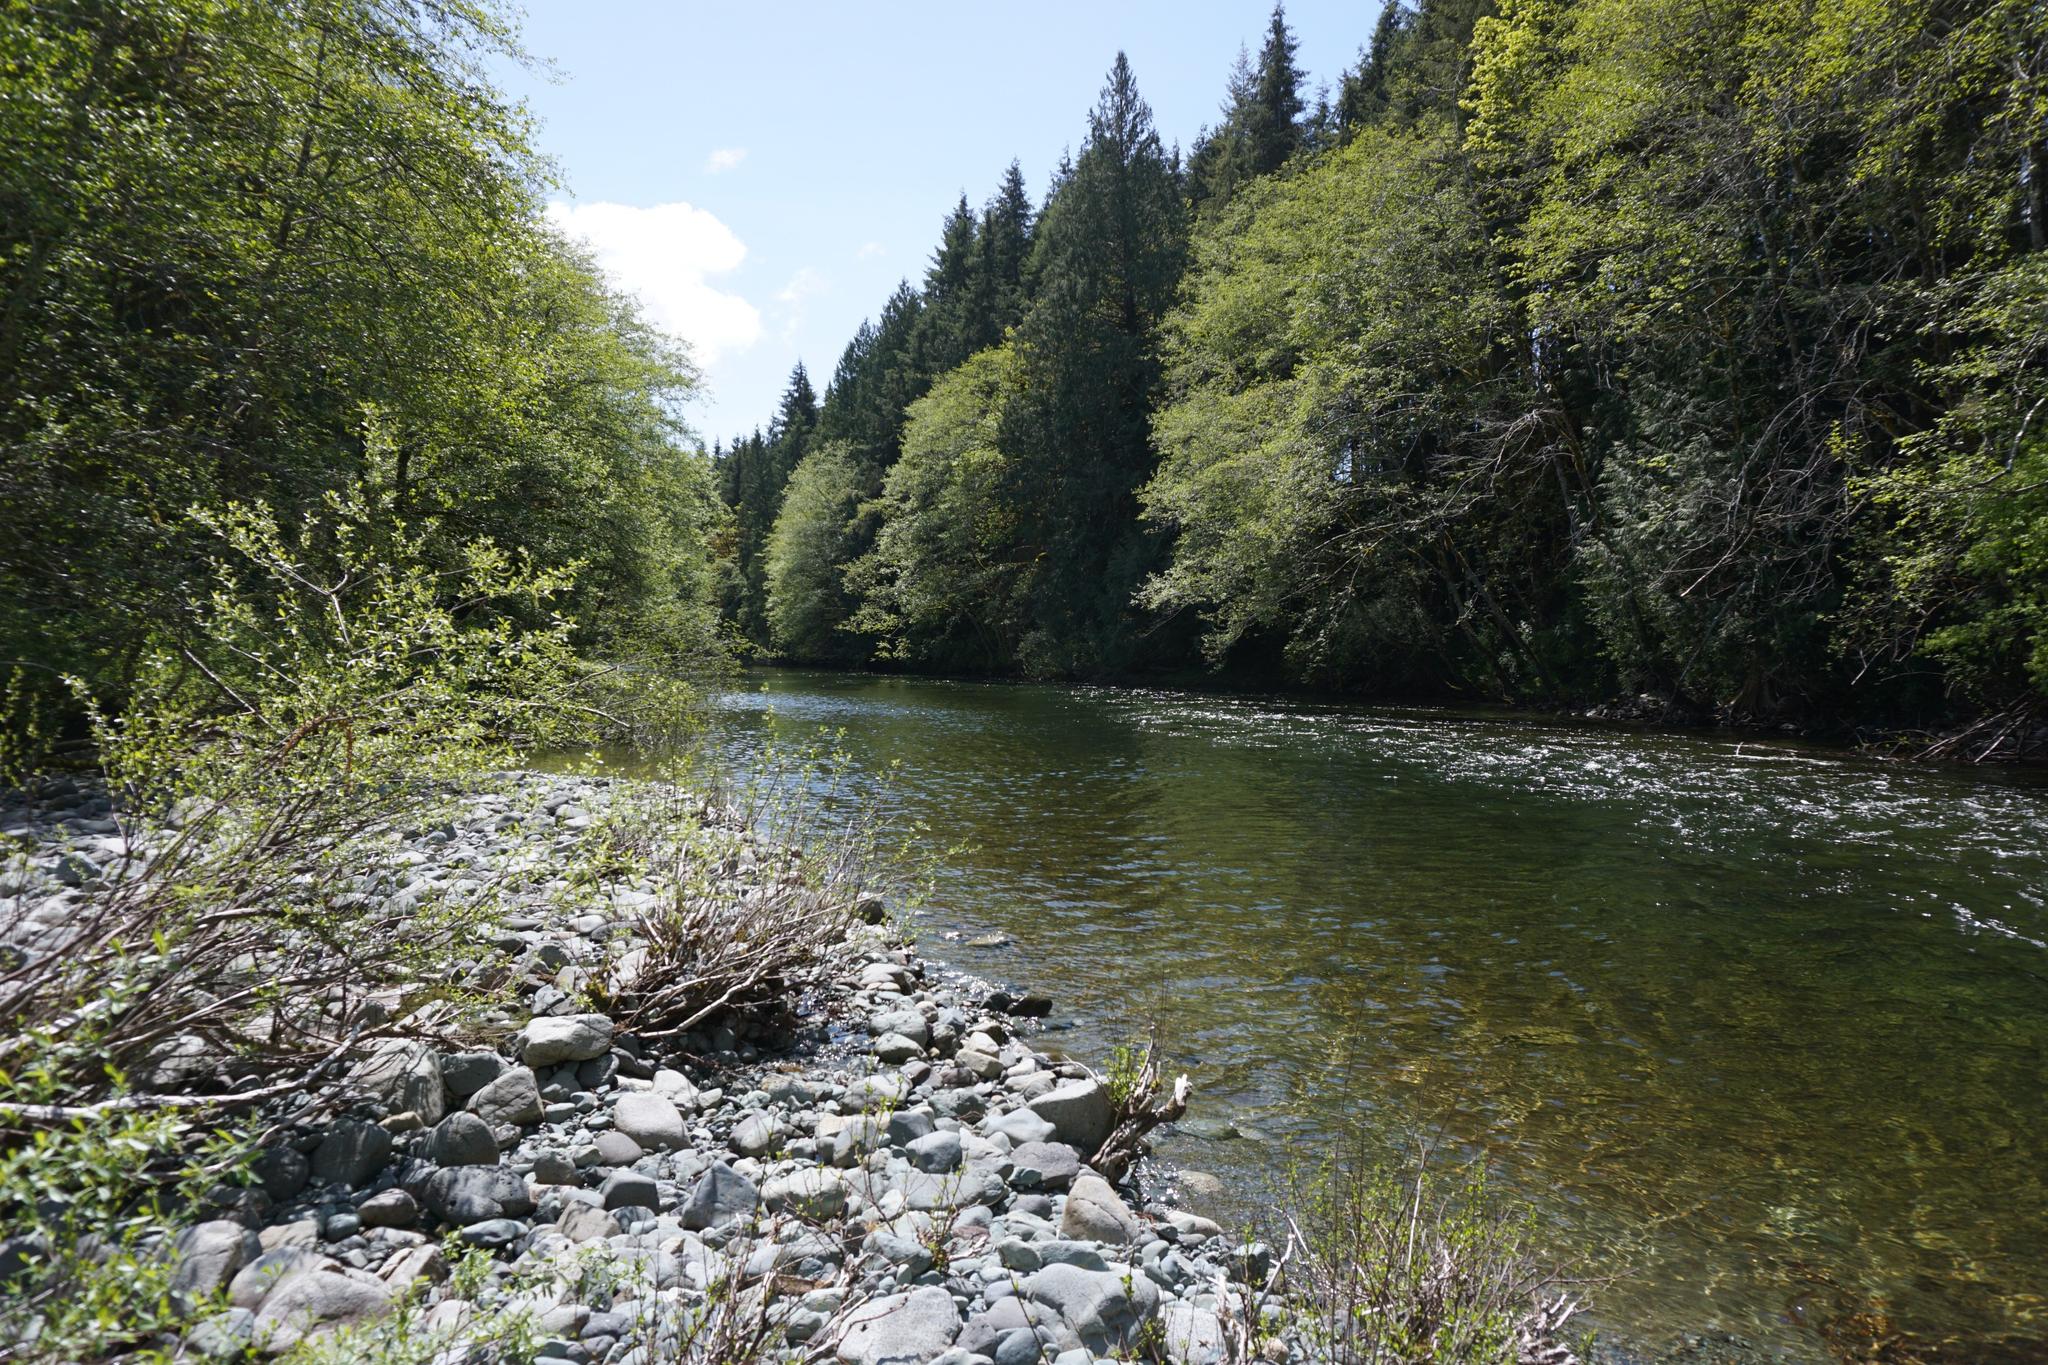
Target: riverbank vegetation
1681,357
267,257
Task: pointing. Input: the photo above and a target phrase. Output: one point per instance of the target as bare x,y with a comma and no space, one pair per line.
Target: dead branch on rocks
1134,1092
748,921
236,953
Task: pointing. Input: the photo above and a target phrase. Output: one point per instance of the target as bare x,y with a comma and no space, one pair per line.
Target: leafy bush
1385,1265
251,934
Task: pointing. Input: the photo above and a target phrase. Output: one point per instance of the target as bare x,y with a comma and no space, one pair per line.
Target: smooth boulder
210,1254
1095,1213
513,1098
1101,1307
1080,1114
314,1302
651,1120
554,1039
462,1140
403,1076
913,1327
350,1152
464,1195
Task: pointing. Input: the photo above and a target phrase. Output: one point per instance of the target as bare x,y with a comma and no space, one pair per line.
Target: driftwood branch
1138,1112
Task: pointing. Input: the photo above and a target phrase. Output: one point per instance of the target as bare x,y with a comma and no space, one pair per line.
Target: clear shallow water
1761,1029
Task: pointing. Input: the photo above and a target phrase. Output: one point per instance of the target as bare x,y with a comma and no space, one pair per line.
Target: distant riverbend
1762,1029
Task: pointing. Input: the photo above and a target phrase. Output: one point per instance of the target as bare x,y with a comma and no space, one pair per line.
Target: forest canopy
1570,352
294,258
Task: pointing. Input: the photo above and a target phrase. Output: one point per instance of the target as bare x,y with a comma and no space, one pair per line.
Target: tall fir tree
1001,248
947,327
1107,258
1364,95
1272,120
1262,120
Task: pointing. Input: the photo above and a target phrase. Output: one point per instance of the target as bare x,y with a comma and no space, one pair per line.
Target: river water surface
1761,1029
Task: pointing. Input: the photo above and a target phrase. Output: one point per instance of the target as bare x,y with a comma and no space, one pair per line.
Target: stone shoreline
901,1176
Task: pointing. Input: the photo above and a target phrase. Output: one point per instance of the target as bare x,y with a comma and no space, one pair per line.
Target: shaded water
1761,1029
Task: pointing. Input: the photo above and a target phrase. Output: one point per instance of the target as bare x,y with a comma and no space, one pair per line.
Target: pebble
955,1152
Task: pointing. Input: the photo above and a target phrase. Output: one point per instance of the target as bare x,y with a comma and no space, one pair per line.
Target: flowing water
1761,1029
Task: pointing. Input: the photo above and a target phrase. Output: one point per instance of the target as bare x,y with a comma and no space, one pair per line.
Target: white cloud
868,251
803,286
664,254
806,283
724,159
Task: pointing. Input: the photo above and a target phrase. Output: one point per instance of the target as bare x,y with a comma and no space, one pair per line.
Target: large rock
584,1223
896,1049
474,1194
756,1135
315,1302
281,1171
630,1189
402,1075
465,1073
552,1040
513,1098
1021,1126
350,1152
210,1254
262,1274
812,1192
1080,1114
1045,1165
1094,1213
910,1023
935,1153
651,1120
902,1329
462,1140
1101,1307
876,1093
616,1149
389,1209
1193,1336
720,1195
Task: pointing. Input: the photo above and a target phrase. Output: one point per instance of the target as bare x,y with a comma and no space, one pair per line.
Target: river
1761,1029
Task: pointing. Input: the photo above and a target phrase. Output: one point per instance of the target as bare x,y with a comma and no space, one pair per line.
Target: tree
1340,441
1002,246
1107,258
939,585
806,599
1262,120
273,254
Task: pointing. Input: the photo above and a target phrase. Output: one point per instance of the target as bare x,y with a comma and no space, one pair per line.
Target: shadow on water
1761,1029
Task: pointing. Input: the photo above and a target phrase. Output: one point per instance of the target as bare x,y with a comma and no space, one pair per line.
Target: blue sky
762,174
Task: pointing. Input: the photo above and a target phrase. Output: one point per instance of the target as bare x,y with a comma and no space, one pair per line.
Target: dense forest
1683,356
290,264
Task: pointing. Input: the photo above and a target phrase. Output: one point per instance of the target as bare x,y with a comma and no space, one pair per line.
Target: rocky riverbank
892,1169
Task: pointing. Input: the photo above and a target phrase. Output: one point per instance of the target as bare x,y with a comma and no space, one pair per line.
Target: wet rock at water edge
1080,1113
